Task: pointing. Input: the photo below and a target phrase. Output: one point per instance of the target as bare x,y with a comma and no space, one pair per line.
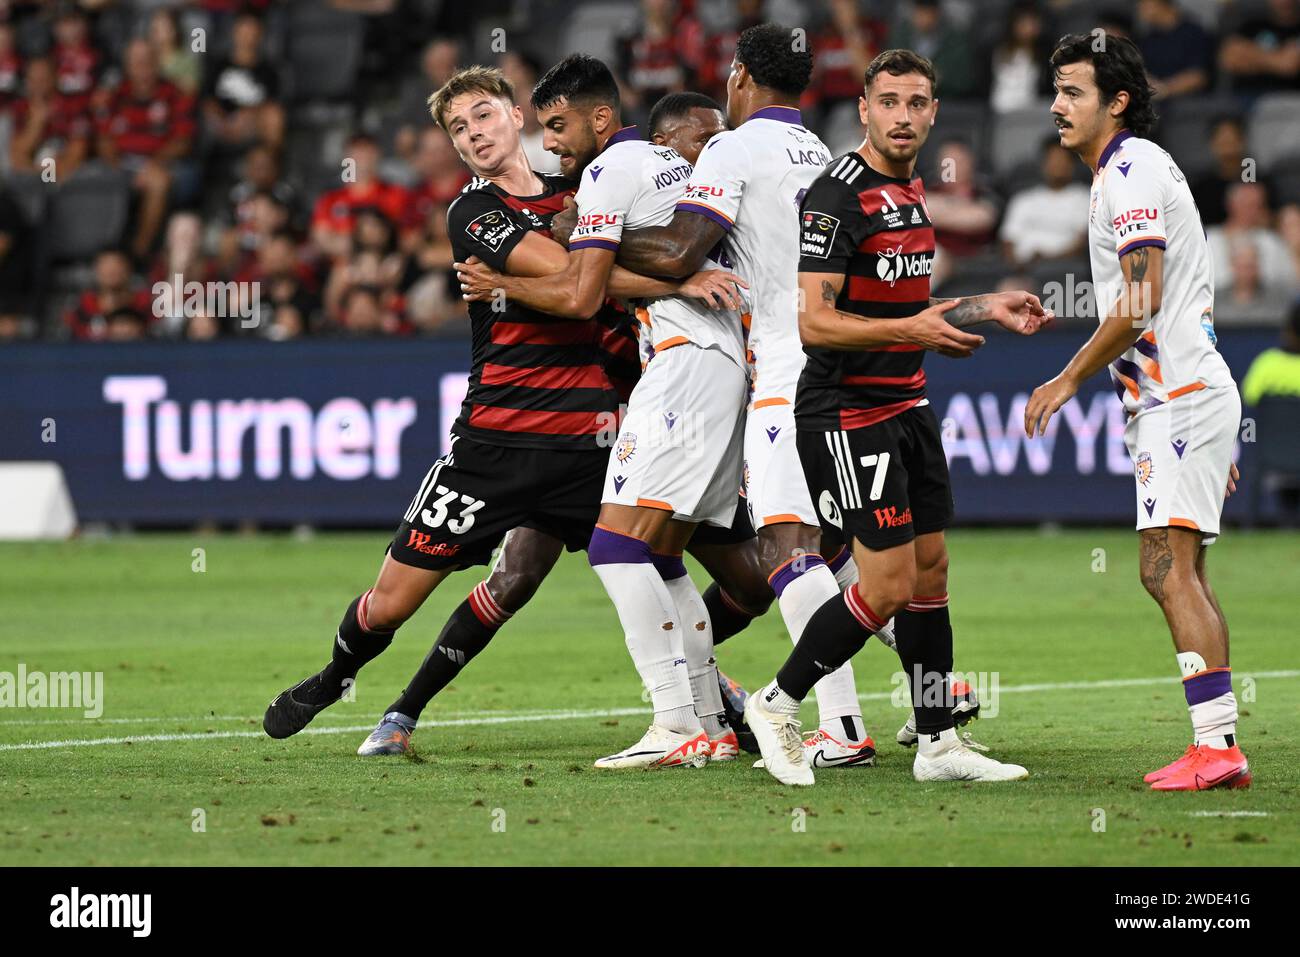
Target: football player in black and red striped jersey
531,444
868,440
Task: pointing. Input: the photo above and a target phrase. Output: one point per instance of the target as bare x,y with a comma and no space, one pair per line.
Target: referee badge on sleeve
817,234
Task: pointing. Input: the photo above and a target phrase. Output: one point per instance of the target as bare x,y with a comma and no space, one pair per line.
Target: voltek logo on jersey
890,517
894,264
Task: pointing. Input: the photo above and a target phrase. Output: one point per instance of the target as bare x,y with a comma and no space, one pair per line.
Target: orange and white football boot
661,748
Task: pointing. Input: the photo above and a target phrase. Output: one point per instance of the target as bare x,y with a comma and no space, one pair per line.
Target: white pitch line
347,729
490,718
1227,814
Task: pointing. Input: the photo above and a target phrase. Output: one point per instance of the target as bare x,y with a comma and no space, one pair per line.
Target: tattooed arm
1018,311
822,325
1139,299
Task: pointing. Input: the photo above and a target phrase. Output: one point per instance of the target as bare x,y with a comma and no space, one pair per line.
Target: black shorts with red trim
882,484
477,492
741,531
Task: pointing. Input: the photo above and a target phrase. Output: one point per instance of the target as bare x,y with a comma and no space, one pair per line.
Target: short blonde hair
474,79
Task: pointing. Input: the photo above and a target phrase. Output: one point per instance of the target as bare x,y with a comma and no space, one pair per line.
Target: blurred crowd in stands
288,144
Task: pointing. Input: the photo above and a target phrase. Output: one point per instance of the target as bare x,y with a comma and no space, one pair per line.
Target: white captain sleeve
718,182
603,199
1135,192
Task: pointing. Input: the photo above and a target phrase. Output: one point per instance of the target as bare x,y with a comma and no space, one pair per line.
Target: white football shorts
679,447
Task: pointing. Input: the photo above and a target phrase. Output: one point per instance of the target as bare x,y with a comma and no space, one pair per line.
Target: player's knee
886,596
386,611
1164,579
514,588
755,597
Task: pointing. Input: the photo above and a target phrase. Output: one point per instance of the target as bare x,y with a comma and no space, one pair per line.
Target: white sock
701,666
654,639
1210,701
1215,720
946,739
846,576
837,695
774,699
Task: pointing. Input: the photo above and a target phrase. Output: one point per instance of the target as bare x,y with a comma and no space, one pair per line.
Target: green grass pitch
1088,701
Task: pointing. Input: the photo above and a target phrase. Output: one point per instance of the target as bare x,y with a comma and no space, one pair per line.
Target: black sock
463,637
833,635
725,615
353,647
925,648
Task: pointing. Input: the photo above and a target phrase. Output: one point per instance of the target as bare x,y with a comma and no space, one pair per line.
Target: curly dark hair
1117,65
577,78
776,57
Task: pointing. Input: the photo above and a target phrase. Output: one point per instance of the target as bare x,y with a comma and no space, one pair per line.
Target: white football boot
965,708
661,748
778,740
822,749
957,761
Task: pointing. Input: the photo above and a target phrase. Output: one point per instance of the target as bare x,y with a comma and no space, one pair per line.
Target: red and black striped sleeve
480,224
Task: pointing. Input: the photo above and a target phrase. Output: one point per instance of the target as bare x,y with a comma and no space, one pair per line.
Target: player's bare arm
678,248
1017,310
821,324
537,258
1138,301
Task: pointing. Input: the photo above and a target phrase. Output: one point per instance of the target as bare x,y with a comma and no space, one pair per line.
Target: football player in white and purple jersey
1154,283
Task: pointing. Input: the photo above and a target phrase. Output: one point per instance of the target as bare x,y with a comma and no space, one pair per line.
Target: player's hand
1233,478
930,330
717,287
564,222
479,282
1019,311
1045,401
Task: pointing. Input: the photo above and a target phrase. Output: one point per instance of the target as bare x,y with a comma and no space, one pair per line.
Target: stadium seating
1185,126
595,27
1018,136
1274,130
324,51
333,83
88,213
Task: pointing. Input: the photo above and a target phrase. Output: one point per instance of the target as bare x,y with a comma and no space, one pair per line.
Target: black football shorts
882,484
477,492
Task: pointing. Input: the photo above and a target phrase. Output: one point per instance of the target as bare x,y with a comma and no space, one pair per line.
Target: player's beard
903,155
583,153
